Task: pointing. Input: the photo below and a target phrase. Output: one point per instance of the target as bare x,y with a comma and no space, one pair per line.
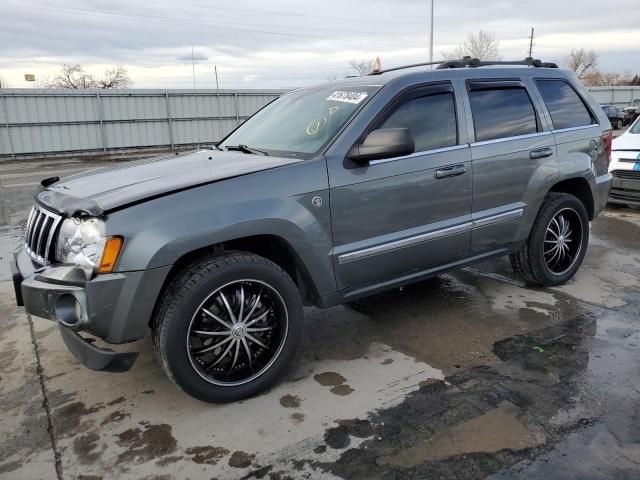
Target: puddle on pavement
142,445
618,228
549,387
495,430
290,401
450,322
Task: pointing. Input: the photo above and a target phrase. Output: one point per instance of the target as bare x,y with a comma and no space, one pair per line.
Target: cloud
285,43
196,57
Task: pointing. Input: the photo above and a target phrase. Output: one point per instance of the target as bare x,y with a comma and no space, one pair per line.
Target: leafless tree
74,77
597,78
482,45
582,62
362,67
71,76
117,77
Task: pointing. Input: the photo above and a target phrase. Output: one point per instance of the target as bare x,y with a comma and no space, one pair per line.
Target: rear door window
566,107
431,119
502,113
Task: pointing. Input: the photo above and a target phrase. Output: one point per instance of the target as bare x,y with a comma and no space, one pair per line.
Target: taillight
607,138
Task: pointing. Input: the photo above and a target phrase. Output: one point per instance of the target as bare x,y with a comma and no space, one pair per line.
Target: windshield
300,124
635,128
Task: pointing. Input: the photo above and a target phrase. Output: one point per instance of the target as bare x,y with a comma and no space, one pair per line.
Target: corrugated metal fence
42,122
617,96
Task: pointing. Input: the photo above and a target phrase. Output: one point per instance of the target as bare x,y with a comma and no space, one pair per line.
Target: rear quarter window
566,107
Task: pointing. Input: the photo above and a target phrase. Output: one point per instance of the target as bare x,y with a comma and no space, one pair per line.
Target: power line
290,14
191,21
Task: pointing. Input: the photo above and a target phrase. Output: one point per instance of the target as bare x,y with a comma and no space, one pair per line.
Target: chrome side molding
429,236
501,217
405,242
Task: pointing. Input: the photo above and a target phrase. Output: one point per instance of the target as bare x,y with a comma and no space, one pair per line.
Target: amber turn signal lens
110,255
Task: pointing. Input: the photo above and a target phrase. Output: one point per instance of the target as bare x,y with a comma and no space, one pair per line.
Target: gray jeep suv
326,195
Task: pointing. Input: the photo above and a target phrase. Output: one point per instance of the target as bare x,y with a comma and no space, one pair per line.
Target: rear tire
228,326
557,243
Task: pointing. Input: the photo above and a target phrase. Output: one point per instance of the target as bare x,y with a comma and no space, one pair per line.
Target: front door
399,215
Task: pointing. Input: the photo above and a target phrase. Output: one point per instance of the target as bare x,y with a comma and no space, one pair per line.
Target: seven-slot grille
40,234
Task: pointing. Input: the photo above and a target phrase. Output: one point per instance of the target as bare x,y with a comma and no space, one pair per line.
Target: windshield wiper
246,149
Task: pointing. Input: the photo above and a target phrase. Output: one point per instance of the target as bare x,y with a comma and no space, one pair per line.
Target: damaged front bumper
101,359
115,307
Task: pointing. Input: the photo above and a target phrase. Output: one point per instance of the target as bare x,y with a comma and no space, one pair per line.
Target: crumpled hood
123,183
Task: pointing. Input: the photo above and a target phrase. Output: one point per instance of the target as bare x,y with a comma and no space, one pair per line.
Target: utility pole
431,35
193,68
215,70
531,44
193,72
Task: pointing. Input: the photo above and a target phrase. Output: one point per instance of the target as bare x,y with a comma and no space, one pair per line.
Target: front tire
557,243
228,326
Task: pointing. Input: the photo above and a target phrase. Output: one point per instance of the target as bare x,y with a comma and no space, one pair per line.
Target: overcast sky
293,43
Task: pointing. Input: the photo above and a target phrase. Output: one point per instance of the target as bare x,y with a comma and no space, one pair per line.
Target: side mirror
384,143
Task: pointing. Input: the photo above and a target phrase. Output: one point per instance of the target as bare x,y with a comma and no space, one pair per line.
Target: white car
625,167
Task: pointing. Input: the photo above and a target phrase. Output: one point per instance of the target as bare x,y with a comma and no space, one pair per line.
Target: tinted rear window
430,119
499,113
565,106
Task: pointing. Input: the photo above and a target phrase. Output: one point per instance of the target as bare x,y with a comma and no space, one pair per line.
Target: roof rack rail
403,67
473,63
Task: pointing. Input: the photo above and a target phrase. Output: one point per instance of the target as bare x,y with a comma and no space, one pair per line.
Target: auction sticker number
348,97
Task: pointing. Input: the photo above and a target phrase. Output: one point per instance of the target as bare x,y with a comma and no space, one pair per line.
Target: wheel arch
578,187
271,247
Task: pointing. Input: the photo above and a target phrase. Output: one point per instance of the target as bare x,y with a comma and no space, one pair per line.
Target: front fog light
68,310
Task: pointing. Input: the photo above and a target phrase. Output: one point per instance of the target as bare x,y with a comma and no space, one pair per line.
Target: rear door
575,126
407,213
512,147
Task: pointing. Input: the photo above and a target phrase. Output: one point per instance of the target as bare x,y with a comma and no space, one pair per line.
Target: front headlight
81,242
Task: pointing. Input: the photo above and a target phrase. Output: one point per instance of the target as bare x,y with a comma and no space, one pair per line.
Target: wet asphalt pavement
467,375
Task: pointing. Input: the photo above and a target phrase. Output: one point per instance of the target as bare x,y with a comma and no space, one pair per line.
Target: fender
158,232
574,165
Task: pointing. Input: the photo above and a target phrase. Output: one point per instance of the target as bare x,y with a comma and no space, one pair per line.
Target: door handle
540,153
451,171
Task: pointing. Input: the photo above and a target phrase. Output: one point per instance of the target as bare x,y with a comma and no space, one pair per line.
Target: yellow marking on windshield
316,125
